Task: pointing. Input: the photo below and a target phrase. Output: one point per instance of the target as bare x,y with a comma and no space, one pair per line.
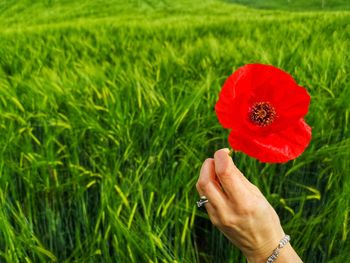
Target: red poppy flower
264,108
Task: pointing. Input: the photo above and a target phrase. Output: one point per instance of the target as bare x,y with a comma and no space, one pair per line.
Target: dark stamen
262,114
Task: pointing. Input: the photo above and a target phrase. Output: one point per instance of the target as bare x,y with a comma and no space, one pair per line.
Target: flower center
262,114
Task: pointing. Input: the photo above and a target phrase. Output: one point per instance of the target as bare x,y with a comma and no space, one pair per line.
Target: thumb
231,178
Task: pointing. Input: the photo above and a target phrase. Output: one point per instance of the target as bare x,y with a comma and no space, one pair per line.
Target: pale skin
241,212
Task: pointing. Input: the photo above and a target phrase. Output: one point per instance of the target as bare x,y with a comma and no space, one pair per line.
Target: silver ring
203,200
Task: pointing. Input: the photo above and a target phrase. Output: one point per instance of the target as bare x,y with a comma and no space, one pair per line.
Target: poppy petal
273,85
275,147
254,83
233,99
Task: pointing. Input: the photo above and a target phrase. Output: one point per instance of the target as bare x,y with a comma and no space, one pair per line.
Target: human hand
240,211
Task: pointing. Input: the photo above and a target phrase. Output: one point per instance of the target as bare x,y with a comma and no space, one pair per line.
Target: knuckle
202,185
227,221
250,209
199,185
215,221
224,170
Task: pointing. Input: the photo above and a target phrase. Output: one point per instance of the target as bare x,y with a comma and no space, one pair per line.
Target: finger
209,187
231,179
211,210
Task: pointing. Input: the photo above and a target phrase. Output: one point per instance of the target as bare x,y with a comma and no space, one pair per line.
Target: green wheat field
107,113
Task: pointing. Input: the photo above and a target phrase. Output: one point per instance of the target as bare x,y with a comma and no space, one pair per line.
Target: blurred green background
106,114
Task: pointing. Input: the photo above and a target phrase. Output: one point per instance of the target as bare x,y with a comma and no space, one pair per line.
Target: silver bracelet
284,241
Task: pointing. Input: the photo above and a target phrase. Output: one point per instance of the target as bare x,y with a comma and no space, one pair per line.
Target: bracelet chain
284,241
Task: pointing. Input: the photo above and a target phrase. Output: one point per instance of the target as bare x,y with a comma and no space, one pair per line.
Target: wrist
287,255
265,247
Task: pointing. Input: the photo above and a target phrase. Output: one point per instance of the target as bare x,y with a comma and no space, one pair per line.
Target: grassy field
296,5
106,114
